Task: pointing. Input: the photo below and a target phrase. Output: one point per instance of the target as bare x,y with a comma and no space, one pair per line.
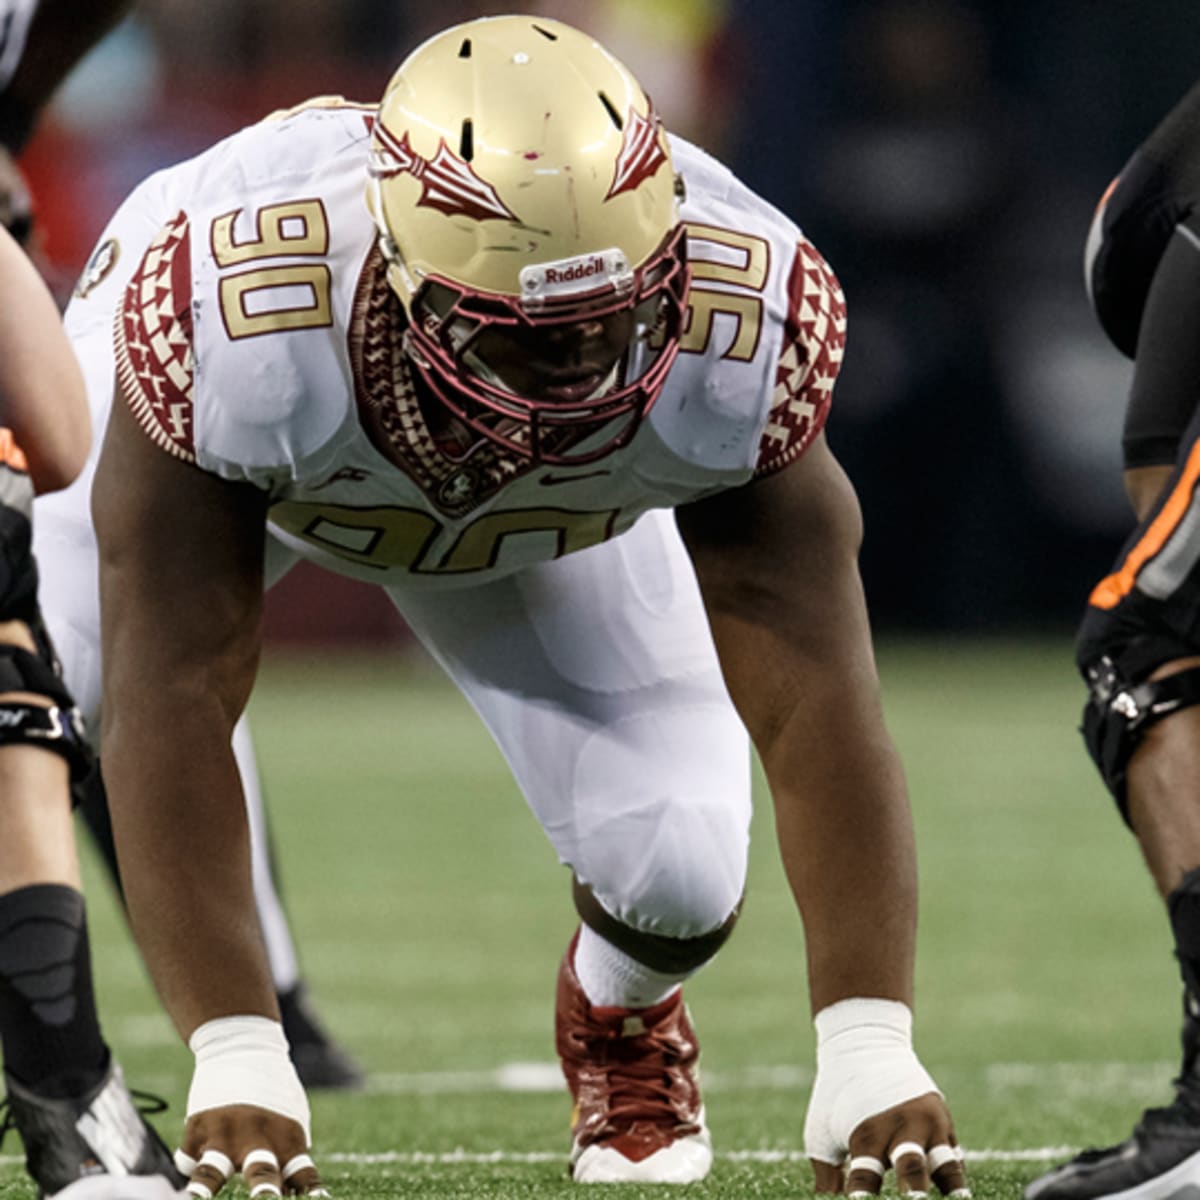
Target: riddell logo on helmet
582,270
568,277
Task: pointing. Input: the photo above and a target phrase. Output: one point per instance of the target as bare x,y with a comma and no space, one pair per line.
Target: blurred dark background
945,155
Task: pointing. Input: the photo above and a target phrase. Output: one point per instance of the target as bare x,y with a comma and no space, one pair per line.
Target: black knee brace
1118,714
59,728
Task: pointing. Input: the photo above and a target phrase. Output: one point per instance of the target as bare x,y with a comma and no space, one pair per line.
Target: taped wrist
245,1060
865,1064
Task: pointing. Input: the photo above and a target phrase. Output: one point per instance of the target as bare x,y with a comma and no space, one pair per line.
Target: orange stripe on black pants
1111,590
11,455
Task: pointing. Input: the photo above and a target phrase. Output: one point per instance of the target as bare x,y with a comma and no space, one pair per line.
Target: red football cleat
638,1117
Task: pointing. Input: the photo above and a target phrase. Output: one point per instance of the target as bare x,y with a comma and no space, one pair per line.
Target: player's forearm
183,845
845,837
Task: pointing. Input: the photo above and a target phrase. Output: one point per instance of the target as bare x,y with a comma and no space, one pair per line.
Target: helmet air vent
611,109
547,34
466,143
464,51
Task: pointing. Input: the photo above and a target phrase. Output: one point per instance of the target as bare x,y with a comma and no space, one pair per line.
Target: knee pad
1119,712
676,869
660,818
58,728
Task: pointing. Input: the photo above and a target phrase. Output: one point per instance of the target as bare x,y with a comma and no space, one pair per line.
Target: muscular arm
42,397
181,598
777,564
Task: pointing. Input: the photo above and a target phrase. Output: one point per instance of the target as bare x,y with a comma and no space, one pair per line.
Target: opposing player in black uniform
1139,644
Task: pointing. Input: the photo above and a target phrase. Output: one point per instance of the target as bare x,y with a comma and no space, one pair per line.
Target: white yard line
1064,1079
531,1077
428,1158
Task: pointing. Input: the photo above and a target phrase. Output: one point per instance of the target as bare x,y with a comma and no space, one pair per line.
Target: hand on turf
268,1149
874,1105
916,1138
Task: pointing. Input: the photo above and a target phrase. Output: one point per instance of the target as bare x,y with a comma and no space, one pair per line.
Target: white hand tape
245,1060
865,1064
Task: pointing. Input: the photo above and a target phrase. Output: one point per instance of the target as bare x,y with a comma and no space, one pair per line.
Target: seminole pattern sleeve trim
814,340
153,342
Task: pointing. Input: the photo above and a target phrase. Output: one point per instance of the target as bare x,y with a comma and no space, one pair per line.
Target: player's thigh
1146,611
597,675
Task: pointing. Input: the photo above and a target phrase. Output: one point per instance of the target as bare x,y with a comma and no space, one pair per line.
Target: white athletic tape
902,1148
185,1164
260,1156
219,1161
939,1156
293,1165
265,1189
200,1190
865,1162
245,1060
865,1065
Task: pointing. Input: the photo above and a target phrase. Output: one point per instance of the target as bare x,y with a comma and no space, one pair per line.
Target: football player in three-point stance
1139,643
557,382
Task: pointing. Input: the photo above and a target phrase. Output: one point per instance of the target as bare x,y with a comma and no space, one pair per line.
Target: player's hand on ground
269,1150
915,1139
875,1107
247,1113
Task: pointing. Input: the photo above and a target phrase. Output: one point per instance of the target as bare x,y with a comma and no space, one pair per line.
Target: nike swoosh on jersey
555,480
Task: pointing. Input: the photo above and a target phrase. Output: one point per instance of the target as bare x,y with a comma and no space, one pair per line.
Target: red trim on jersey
814,338
153,338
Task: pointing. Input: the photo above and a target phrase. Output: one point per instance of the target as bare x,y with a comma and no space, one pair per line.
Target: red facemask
562,382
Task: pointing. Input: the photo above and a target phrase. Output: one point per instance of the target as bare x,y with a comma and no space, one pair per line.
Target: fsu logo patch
103,259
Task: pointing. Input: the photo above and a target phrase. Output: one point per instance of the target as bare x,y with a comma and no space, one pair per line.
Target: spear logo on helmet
448,184
641,153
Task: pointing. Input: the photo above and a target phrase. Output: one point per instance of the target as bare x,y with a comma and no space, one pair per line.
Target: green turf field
432,916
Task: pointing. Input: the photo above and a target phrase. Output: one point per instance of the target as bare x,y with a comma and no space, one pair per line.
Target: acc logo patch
103,259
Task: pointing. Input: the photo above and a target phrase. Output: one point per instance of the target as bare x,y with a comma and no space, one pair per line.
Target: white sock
611,979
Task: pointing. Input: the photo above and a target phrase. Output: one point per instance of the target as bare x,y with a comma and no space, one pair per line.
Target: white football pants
597,676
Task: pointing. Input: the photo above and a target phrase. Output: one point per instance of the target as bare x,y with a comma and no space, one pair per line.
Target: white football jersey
258,325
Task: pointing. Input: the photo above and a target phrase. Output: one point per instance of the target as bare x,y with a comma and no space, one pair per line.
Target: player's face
560,363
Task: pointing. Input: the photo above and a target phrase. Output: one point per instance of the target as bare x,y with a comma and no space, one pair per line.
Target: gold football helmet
528,211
